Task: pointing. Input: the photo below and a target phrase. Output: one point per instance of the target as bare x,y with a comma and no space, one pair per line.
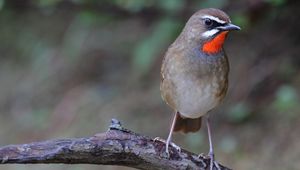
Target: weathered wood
117,146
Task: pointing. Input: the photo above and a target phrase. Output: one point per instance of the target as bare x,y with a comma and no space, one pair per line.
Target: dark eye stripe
217,24
214,24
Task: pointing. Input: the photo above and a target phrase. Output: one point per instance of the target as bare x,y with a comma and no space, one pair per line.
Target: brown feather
186,125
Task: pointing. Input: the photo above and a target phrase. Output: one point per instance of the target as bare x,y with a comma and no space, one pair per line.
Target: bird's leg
211,149
170,135
168,141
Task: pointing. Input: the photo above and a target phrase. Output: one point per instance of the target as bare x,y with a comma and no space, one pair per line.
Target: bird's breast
196,97
195,85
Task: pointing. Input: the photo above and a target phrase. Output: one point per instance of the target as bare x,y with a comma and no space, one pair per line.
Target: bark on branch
117,146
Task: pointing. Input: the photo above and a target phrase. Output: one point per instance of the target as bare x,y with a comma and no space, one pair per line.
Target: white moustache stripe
214,18
210,33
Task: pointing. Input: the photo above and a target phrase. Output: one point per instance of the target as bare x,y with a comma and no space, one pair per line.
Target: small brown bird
194,72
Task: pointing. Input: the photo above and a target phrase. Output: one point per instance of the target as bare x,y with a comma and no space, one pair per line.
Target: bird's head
209,27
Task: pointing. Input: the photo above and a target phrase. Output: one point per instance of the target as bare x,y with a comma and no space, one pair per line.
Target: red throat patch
215,45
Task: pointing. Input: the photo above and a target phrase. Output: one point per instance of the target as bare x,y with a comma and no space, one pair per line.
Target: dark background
68,67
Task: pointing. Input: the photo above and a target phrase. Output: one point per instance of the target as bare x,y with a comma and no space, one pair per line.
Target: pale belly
196,99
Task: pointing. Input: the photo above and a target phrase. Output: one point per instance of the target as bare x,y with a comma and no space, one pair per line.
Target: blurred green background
68,66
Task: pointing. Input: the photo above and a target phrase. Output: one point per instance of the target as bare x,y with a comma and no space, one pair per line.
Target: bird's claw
167,147
201,155
213,163
217,165
175,146
159,139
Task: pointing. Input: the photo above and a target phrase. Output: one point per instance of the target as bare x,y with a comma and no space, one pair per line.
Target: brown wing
167,87
223,90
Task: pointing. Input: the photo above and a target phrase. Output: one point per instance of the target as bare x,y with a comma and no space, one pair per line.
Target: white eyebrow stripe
214,18
210,33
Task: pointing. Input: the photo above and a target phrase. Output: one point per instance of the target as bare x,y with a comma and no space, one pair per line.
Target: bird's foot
171,143
167,146
213,163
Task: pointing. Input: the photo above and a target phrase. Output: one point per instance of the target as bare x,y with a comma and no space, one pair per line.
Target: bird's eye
208,22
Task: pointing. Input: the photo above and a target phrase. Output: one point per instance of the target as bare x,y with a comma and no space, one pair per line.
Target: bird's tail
186,125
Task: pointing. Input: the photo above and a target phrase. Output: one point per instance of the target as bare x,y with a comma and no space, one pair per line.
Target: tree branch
117,146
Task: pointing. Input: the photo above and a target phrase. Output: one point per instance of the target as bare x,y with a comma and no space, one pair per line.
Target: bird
194,73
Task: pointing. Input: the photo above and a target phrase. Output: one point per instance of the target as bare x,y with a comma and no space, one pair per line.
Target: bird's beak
229,27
